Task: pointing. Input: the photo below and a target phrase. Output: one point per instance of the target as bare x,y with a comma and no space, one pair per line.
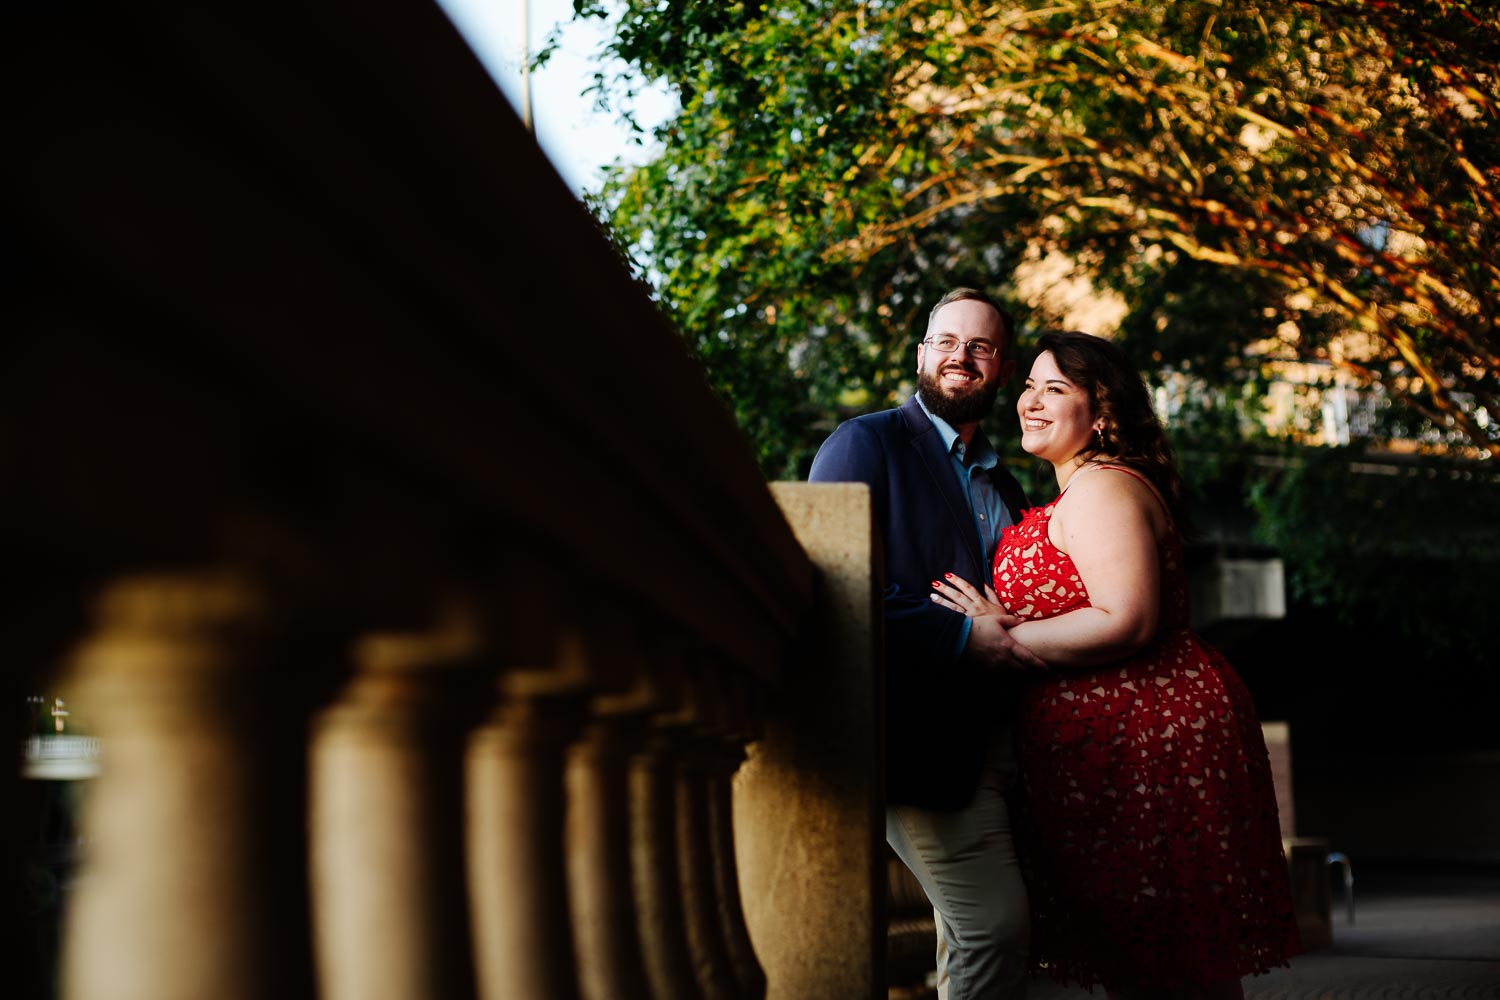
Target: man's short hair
1007,324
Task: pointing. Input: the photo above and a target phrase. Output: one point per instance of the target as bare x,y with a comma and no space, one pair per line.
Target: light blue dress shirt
973,465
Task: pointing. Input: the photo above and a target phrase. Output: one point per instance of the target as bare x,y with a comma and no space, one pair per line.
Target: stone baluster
725,760
700,744
608,946
655,882
517,877
547,673
390,895
194,880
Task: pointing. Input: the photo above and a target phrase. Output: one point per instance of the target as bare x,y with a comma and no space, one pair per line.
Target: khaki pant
966,863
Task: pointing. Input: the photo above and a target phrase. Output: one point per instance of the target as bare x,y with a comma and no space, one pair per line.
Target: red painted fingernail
947,576
936,584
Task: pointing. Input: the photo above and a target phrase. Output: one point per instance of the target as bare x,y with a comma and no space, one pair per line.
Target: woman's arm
1109,524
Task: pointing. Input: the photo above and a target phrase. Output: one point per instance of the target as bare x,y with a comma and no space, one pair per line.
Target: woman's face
1057,417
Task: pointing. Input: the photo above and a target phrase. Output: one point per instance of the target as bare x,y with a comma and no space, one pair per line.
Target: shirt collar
979,452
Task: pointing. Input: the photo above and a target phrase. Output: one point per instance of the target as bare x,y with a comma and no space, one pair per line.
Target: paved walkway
1418,934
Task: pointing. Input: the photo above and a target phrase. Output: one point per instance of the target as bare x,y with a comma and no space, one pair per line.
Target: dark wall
1395,753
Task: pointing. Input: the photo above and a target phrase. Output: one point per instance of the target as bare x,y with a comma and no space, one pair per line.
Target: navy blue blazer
940,712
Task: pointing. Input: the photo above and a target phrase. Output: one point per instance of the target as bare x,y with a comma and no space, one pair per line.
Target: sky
578,138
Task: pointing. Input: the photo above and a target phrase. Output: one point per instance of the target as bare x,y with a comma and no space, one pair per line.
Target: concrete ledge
809,805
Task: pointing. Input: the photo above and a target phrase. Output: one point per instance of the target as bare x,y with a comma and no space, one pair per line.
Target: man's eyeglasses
980,350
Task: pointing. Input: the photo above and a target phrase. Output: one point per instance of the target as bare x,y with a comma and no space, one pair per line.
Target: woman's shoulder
1101,485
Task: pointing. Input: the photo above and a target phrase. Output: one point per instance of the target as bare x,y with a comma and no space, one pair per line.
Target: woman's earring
1100,431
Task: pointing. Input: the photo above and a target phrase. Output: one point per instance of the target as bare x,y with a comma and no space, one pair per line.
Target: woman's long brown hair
1132,435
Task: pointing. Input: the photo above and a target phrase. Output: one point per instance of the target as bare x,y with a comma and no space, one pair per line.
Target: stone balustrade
439,633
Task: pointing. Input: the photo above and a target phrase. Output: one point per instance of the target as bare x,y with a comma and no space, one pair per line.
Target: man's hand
990,644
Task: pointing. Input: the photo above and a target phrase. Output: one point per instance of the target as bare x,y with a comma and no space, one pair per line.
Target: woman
1155,851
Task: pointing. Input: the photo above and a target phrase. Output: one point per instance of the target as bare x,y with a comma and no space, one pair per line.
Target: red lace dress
1153,851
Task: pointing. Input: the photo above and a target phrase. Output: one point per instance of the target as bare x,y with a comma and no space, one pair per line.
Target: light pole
526,66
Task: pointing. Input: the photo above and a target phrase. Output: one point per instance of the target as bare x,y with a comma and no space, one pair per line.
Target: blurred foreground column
194,882
610,965
809,803
655,875
544,675
724,762
598,859
699,745
517,881
390,893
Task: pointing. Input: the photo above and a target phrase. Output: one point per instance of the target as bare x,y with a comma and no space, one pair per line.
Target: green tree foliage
1239,171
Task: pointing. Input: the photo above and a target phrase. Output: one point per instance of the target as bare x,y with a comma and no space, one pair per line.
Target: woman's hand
959,595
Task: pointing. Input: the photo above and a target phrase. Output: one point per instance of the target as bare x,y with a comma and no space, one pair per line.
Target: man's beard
967,407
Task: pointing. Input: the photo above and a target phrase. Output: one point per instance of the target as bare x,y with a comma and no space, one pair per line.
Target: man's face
957,386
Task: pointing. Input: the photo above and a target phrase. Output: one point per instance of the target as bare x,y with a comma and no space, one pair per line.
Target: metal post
1338,858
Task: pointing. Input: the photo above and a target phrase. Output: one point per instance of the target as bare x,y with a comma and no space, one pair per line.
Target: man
941,499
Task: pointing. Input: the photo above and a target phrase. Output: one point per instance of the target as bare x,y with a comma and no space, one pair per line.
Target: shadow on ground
1419,932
